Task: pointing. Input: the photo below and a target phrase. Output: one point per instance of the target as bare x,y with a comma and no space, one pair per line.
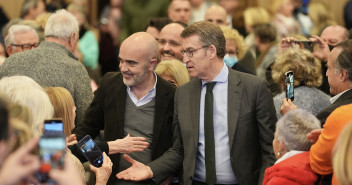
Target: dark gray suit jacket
251,123
107,112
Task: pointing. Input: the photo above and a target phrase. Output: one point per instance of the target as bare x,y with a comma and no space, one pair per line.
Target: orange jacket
321,151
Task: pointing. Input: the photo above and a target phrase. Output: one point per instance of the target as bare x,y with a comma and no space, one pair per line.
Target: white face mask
230,60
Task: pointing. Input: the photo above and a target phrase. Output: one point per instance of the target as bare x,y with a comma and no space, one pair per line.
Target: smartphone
51,155
289,85
91,151
54,127
305,44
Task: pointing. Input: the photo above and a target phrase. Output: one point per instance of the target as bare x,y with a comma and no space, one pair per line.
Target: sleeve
171,160
266,118
94,119
320,152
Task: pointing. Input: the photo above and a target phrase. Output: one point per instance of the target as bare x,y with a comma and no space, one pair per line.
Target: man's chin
129,82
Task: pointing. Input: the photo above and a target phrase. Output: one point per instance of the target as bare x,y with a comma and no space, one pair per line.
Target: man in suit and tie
227,132
135,110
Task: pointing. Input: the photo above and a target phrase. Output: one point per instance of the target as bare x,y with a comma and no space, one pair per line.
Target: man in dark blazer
243,114
135,110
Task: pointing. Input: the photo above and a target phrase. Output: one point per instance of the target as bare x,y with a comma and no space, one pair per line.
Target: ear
153,63
212,51
282,147
73,41
9,50
343,75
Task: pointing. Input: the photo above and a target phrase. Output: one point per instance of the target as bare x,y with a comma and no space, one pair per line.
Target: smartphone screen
91,151
51,154
53,127
306,44
289,85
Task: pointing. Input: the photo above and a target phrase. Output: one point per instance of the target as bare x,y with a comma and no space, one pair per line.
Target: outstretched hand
322,51
137,172
128,145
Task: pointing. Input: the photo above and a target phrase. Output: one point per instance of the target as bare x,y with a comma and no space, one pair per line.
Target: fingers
107,160
128,159
93,168
26,148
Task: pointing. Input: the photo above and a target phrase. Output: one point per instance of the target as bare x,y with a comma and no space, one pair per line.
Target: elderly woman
235,50
173,71
307,77
291,148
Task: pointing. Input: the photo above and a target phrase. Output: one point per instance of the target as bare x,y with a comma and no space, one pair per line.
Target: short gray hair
28,4
61,24
16,29
344,60
293,127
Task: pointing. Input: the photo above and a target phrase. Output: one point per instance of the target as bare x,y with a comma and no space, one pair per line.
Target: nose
185,59
123,66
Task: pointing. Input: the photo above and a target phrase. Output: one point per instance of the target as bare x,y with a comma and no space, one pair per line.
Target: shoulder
164,86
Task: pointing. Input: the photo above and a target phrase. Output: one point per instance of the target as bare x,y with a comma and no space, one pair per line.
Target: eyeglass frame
190,53
28,46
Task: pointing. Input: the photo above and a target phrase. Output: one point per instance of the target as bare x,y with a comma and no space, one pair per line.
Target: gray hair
28,4
25,91
293,127
17,29
344,60
61,25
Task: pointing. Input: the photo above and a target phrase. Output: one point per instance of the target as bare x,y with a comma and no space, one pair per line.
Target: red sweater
292,171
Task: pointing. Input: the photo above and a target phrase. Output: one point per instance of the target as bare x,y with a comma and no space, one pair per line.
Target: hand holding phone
305,44
289,87
91,151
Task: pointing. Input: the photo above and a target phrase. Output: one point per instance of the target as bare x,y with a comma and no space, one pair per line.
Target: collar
221,77
333,99
288,155
149,92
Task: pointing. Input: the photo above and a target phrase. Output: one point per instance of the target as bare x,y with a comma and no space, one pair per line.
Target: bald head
333,35
142,43
170,42
217,15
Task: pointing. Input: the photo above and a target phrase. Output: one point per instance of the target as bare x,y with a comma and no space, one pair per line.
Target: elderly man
53,62
333,35
21,38
180,10
135,109
217,15
32,8
227,118
170,42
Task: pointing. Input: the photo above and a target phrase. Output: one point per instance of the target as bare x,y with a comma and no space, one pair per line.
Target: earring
278,153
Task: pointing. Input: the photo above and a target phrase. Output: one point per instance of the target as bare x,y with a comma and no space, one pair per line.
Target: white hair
25,91
61,24
293,127
17,29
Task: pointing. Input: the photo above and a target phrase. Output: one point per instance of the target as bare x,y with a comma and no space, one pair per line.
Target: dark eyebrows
128,61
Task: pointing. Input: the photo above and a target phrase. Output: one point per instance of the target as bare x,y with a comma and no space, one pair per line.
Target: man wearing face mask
235,49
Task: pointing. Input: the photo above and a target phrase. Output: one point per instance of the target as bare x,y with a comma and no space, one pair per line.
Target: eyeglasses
26,46
190,52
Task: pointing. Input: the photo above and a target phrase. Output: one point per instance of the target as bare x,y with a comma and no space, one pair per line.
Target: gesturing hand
128,145
71,140
137,172
286,106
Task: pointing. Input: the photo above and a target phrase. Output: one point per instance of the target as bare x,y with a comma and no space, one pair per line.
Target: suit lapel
161,107
120,94
234,104
195,105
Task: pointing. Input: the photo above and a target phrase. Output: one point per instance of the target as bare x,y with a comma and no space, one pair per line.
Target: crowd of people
191,92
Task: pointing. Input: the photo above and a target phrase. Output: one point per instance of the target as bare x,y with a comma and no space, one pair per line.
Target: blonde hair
20,112
42,19
232,34
342,156
21,131
320,14
63,104
174,69
256,15
306,68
